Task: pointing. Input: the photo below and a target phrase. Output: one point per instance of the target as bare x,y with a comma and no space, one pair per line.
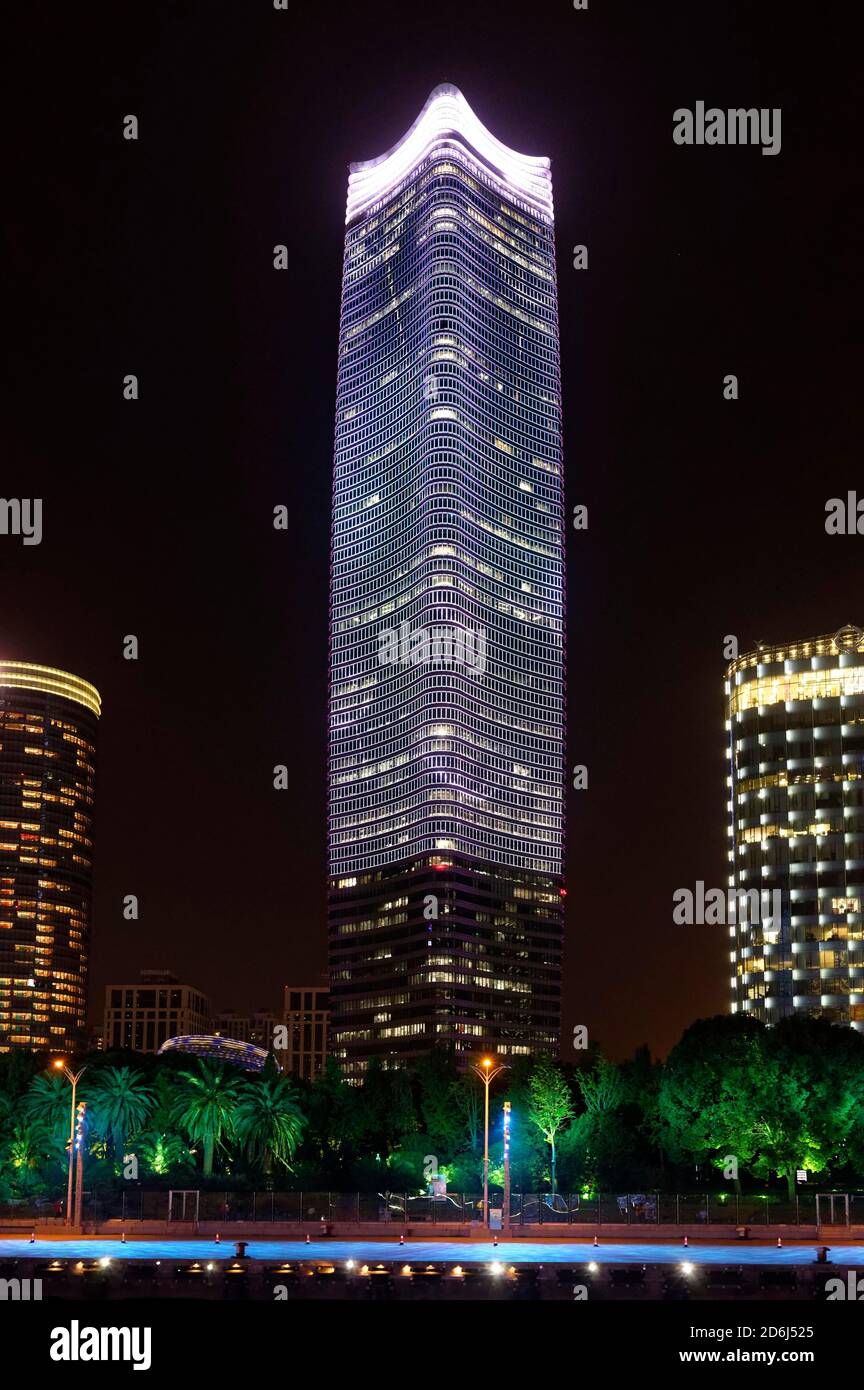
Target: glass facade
48,726
795,724
447,598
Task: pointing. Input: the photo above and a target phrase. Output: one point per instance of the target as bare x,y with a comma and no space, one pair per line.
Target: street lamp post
74,1077
79,1163
487,1074
506,1212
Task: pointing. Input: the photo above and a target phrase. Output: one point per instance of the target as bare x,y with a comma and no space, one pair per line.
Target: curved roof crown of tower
847,639
48,680
447,117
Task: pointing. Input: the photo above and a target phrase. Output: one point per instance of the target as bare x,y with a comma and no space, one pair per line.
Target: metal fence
402,1208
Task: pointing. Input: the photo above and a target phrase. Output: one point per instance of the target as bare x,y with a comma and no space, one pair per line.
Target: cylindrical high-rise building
795,723
446,774
48,723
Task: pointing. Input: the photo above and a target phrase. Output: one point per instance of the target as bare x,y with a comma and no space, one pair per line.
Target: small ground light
686,1268
406,1269
105,1262
209,1266
457,1270
349,1264
593,1267
496,1267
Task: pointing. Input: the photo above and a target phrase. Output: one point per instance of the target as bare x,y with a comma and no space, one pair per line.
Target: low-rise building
141,1016
307,1018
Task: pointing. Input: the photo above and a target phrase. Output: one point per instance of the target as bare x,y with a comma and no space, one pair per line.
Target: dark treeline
734,1104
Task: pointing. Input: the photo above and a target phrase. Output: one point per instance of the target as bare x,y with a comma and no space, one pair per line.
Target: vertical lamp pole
79,1164
487,1074
506,1212
74,1078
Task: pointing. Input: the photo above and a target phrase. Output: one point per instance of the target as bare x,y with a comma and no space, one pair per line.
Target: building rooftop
445,120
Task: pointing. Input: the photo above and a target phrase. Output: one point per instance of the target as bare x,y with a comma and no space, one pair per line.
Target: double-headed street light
487,1071
74,1077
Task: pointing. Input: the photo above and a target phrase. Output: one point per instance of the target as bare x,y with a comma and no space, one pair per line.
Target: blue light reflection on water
415,1251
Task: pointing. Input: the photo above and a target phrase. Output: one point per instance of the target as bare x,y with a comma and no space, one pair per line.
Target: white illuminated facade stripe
447,117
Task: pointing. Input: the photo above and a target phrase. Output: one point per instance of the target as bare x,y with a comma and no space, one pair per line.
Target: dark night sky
706,516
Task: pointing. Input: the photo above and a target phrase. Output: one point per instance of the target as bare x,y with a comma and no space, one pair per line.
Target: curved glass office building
446,768
48,724
795,722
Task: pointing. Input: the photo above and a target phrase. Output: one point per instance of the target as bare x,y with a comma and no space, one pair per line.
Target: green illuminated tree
550,1104
438,1078
709,1092
776,1099
268,1121
24,1151
206,1106
119,1101
811,1097
161,1152
599,1138
468,1094
47,1101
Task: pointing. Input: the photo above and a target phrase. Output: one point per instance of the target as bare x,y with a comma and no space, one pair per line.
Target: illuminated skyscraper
446,759
48,723
795,721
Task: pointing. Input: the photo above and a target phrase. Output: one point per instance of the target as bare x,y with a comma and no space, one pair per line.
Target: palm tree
46,1102
25,1149
161,1151
206,1106
269,1122
118,1102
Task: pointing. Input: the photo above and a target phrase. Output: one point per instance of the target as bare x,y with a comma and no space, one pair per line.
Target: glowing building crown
447,121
